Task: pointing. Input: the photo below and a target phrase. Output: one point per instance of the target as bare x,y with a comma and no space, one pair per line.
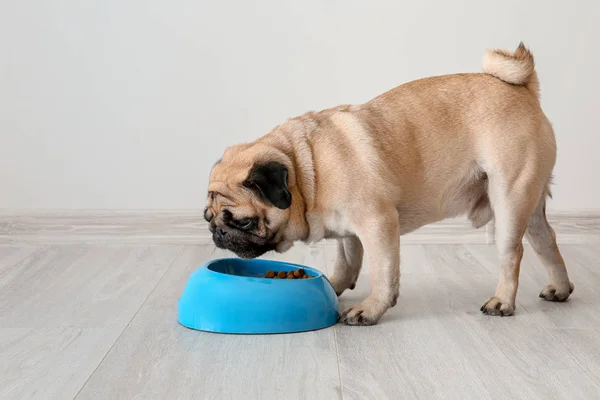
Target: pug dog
477,144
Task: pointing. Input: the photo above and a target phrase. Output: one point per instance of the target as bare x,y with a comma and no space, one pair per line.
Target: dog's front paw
557,292
495,306
366,313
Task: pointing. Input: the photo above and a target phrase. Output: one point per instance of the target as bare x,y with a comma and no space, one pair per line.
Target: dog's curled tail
516,68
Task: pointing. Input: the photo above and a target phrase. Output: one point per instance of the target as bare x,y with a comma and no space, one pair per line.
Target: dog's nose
221,232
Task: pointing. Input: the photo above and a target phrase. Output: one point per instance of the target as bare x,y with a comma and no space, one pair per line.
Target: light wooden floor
99,322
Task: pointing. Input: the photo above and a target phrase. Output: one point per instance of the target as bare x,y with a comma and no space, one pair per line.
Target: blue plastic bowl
229,296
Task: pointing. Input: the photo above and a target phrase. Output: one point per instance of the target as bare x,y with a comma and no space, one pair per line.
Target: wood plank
436,344
11,255
583,343
62,309
576,227
50,362
157,358
104,227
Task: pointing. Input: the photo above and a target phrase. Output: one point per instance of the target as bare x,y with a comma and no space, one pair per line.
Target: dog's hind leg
543,240
513,200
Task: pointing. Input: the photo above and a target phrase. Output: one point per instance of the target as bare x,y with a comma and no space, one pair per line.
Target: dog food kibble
296,274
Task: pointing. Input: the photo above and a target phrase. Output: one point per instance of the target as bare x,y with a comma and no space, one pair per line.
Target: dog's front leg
380,237
348,263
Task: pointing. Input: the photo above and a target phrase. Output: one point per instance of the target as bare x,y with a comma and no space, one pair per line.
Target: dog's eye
246,224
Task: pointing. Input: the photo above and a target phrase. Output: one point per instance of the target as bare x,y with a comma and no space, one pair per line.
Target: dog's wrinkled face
247,205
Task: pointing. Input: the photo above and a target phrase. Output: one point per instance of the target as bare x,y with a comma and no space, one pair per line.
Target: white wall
127,104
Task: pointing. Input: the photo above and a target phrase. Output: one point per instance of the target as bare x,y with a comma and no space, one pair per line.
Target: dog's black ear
270,180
